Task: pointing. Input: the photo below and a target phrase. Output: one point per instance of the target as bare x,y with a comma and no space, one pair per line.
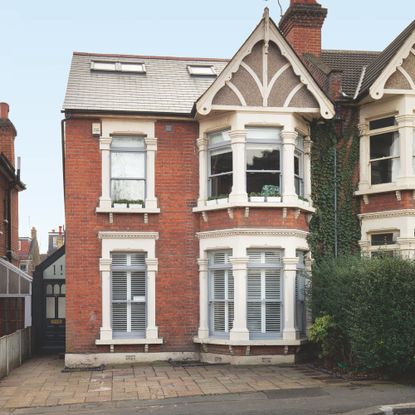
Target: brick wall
388,201
11,315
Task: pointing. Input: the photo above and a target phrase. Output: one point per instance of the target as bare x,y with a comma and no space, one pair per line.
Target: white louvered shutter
264,292
220,292
128,293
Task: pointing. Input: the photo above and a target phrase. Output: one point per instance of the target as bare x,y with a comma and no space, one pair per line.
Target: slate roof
351,63
167,86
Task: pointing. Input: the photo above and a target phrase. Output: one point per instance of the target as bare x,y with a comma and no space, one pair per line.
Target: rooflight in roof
201,70
132,67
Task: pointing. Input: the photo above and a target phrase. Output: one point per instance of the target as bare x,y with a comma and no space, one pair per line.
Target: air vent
201,70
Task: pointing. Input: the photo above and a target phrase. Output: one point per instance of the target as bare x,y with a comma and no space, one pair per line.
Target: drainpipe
63,149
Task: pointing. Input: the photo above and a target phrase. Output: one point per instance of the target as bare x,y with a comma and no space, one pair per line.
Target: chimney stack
7,133
33,233
301,25
4,110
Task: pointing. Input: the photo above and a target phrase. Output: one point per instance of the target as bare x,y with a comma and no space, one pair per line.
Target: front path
41,382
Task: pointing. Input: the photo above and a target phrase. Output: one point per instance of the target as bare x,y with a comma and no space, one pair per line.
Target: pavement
40,387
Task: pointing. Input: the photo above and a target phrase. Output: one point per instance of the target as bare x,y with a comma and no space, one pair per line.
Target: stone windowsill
303,205
259,342
384,188
109,342
127,210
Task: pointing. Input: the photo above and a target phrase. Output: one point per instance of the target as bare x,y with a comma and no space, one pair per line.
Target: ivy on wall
334,161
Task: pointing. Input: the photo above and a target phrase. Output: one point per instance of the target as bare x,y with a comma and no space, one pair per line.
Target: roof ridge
179,58
374,52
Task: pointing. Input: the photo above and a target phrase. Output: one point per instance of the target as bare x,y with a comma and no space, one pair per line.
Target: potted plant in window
135,204
272,193
303,201
120,203
256,197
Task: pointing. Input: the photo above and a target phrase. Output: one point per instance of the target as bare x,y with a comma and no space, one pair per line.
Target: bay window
263,160
264,306
128,172
221,293
128,294
300,293
384,151
220,164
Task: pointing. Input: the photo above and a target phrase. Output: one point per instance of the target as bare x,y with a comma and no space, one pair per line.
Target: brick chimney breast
7,133
301,25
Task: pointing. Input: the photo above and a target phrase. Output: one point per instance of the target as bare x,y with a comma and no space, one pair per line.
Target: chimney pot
292,2
4,110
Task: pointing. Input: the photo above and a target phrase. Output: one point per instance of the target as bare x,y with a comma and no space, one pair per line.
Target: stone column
290,272
105,147
307,168
152,268
105,269
203,332
364,149
406,151
202,145
288,149
151,148
239,330
238,140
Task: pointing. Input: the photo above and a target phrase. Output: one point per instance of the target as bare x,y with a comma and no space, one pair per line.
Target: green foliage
221,196
270,190
332,154
368,305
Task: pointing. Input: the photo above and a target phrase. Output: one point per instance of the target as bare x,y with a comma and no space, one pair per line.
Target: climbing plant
334,158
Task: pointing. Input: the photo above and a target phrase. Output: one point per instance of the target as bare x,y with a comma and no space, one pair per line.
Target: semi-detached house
188,189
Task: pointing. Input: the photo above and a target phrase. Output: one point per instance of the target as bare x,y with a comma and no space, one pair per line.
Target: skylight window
201,70
130,67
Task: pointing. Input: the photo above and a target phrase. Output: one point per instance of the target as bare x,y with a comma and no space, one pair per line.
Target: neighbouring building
15,285
188,189
56,240
49,304
28,253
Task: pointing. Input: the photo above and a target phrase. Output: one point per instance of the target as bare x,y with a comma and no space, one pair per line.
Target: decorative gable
266,72
398,76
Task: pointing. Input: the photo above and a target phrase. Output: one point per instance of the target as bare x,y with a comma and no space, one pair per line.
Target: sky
38,38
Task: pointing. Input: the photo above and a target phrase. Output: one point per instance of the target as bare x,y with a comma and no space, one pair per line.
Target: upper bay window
221,290
128,169
264,306
128,293
263,161
220,164
384,151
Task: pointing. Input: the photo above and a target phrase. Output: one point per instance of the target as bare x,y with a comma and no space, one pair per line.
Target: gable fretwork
266,72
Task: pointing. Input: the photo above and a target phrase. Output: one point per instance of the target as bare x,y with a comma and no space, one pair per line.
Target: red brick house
188,190
15,285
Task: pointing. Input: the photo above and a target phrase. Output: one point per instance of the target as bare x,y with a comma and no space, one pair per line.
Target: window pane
119,285
254,317
296,165
61,307
299,186
219,137
221,185
381,145
50,307
127,189
129,165
256,181
381,171
272,317
128,142
382,239
263,134
119,316
382,123
218,284
138,316
262,159
221,163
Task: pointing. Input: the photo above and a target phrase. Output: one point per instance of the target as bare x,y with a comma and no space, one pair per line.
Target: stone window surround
239,240
128,242
406,128
105,202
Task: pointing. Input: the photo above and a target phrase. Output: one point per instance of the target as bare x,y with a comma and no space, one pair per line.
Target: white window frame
129,150
228,299
215,149
377,132
128,242
377,249
300,292
262,266
299,154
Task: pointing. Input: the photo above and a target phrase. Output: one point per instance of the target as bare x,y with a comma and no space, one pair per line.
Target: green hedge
365,312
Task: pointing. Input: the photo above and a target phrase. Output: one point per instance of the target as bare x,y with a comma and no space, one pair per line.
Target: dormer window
201,70
129,67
